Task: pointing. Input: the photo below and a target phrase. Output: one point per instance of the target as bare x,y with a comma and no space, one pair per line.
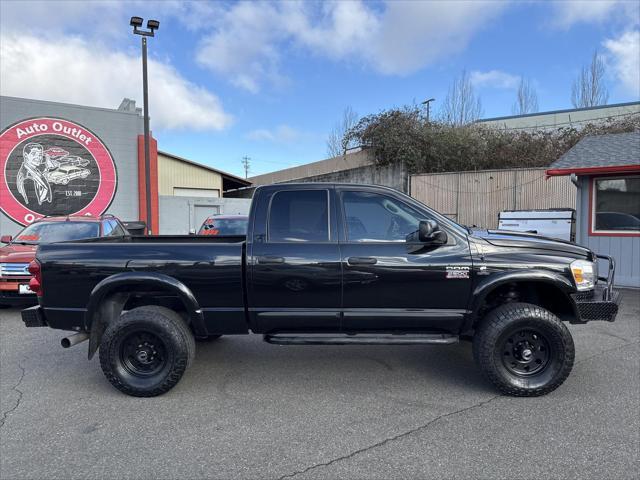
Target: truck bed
210,267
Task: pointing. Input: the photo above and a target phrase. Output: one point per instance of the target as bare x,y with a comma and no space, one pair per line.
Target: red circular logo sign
51,166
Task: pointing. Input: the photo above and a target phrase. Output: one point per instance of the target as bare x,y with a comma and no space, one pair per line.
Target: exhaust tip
74,339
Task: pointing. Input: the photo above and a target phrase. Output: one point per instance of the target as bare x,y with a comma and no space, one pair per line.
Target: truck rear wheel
524,350
145,352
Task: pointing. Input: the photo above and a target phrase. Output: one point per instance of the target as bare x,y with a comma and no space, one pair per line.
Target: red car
18,252
225,225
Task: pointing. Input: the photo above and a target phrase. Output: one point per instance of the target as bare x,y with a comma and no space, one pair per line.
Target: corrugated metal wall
476,198
174,173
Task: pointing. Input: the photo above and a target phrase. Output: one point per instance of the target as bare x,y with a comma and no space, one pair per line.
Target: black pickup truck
325,264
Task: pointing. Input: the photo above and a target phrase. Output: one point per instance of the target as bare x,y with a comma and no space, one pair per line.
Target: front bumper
13,298
602,302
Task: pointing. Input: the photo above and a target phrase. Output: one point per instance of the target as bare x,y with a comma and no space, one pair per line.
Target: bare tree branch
589,90
461,105
338,141
526,98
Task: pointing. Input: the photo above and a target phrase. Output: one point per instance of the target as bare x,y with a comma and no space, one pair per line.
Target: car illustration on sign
65,173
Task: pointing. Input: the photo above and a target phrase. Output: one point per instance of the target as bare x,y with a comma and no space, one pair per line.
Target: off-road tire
168,334
494,339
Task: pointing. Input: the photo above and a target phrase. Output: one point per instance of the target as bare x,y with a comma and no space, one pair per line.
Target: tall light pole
152,26
427,103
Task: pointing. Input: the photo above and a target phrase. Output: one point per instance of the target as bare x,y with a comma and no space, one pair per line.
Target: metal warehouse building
606,170
61,159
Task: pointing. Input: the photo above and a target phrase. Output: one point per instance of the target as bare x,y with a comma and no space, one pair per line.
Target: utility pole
428,104
245,165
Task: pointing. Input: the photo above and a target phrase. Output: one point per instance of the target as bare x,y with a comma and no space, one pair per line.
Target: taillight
35,284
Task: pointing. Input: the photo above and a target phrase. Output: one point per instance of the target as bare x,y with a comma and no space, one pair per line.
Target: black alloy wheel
142,353
525,352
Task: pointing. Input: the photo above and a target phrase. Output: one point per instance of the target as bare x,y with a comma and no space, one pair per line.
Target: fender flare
491,282
95,322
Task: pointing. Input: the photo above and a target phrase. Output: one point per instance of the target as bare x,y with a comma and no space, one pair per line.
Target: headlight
584,273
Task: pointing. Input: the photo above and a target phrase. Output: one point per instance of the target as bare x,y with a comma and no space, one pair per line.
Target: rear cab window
299,216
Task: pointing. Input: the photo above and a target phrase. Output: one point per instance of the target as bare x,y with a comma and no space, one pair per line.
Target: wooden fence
476,198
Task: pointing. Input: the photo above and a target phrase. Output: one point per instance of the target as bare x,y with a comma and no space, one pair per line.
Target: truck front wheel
145,352
523,349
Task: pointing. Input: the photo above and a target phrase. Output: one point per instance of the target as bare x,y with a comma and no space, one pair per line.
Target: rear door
294,282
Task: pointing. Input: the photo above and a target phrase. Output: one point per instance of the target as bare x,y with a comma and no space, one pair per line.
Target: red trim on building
142,192
592,182
594,170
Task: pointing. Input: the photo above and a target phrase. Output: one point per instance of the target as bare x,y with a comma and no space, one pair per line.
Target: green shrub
404,135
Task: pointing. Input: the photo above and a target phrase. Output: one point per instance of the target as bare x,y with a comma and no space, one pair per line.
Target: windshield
224,226
48,232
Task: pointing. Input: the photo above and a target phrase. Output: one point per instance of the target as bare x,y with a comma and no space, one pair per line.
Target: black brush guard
602,302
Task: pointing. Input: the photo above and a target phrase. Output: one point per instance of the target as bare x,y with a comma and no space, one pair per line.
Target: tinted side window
299,216
118,230
371,217
106,228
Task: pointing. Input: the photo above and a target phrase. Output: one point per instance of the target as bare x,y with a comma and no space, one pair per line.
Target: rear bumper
602,302
33,317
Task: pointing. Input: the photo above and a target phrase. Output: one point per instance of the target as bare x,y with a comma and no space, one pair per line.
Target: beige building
574,117
180,177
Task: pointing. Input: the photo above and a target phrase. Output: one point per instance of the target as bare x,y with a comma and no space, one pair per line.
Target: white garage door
201,212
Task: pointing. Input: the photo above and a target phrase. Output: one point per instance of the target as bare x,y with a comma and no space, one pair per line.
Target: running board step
361,339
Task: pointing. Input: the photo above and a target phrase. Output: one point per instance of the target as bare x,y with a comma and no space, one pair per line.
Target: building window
615,207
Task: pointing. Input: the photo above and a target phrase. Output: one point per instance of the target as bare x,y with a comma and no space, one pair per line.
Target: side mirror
428,233
6,238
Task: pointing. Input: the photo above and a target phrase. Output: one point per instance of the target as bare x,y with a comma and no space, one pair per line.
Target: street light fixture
152,26
427,103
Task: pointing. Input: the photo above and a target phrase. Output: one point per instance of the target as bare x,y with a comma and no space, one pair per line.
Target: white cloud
494,79
67,69
624,57
413,35
394,38
280,134
567,13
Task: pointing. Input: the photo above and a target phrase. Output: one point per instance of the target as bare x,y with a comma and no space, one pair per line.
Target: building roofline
553,112
593,170
206,167
72,105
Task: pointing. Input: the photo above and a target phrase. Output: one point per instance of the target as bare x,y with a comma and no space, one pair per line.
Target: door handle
270,260
362,261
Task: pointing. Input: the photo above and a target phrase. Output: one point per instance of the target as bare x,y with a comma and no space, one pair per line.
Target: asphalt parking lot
247,409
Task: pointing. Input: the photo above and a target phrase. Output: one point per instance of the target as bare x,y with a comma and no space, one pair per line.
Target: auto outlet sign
51,166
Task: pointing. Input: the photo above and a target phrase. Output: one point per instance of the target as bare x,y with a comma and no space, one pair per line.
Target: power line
481,192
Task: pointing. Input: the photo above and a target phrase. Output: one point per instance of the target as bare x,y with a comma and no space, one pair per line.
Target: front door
295,278
390,284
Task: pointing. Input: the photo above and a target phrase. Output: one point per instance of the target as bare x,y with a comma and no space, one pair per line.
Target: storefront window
616,205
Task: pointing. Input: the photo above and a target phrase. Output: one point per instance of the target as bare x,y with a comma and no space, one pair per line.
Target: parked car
325,264
18,252
222,225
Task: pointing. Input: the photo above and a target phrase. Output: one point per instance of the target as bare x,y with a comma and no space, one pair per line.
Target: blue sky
269,80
